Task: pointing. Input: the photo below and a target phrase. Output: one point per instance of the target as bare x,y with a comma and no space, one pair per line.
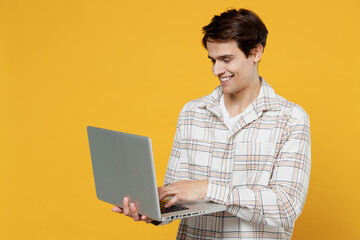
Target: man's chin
225,89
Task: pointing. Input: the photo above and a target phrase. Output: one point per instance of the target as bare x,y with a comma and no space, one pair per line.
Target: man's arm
282,201
172,171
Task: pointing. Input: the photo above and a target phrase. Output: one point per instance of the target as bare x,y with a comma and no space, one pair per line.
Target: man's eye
227,60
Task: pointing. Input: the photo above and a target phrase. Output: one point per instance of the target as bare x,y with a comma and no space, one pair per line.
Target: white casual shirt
259,168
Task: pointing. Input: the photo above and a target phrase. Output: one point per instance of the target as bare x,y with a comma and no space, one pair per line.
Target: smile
225,79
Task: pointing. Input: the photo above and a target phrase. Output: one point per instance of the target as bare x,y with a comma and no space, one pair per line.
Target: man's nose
218,69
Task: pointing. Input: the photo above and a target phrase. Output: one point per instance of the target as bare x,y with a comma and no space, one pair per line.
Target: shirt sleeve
282,201
172,171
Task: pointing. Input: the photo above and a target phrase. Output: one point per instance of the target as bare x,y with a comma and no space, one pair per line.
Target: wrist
204,188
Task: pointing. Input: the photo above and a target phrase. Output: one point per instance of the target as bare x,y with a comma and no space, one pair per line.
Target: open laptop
123,165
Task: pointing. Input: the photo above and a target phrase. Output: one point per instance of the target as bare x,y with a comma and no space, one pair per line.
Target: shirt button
217,235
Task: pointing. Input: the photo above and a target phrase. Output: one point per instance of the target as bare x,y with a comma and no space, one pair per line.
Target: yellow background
131,66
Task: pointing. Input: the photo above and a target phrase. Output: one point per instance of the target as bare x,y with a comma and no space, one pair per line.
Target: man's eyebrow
222,56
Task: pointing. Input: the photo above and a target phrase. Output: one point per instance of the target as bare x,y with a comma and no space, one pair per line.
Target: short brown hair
243,26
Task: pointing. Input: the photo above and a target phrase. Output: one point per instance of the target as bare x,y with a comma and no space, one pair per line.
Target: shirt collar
266,100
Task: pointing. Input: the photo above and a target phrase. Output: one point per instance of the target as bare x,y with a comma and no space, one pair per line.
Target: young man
242,146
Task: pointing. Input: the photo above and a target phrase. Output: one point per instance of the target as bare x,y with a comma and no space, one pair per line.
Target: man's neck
237,103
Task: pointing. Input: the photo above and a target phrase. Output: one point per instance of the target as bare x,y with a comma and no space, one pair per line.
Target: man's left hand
184,190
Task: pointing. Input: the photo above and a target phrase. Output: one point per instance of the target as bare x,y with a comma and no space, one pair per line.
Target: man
242,146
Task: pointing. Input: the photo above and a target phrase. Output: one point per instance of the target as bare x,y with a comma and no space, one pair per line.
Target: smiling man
243,145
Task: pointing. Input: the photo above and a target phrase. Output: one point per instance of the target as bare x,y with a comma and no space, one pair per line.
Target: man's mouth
225,79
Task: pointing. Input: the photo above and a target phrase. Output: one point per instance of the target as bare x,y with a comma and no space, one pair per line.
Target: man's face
235,72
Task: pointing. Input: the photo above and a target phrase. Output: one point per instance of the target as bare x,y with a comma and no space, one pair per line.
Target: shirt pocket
253,164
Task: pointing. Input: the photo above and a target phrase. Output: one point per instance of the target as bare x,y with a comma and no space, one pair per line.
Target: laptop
123,166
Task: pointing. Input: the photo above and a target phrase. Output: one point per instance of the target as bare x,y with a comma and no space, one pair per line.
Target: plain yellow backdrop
131,66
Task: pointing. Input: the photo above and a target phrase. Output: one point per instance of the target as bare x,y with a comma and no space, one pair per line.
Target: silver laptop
123,165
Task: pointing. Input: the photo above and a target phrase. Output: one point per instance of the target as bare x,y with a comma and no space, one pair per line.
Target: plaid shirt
260,169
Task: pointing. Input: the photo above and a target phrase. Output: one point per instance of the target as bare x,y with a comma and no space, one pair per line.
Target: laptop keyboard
173,208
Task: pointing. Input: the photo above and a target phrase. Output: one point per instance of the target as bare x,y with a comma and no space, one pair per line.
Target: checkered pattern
260,169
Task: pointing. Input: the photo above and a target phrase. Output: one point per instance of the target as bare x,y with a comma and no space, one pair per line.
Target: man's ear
257,52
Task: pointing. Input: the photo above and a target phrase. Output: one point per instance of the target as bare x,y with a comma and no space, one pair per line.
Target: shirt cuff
218,192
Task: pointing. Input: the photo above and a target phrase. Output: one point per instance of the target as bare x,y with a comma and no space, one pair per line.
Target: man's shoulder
199,104
291,109
196,103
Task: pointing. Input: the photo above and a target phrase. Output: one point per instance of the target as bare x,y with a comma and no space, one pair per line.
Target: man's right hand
129,209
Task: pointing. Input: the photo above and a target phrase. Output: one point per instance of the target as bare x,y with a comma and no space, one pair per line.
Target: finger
134,213
146,219
160,189
168,191
117,209
171,201
162,196
126,206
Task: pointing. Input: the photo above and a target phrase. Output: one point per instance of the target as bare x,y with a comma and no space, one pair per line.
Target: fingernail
166,205
131,206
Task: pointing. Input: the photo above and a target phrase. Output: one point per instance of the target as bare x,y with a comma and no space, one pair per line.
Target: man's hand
184,190
129,209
